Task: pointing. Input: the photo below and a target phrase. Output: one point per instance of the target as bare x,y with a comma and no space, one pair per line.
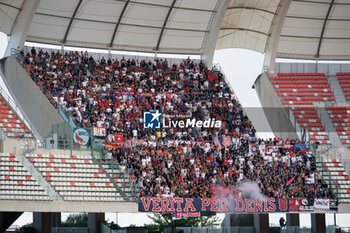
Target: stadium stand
77,178
300,91
307,118
170,162
340,118
10,122
16,181
344,81
302,88
336,176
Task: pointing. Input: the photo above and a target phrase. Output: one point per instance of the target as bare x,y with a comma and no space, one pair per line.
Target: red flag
119,139
290,181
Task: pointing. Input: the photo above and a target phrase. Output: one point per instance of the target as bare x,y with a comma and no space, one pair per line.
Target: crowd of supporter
175,162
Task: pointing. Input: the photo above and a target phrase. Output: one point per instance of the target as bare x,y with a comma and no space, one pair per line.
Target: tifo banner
99,131
81,137
147,204
321,204
299,204
220,205
114,141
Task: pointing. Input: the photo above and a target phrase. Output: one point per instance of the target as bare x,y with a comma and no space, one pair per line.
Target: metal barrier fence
217,229
70,230
325,173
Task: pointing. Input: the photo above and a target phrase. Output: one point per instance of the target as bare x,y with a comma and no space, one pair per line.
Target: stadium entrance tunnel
7,218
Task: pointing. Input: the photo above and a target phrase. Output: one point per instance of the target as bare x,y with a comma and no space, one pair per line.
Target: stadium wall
327,68
15,145
31,101
273,109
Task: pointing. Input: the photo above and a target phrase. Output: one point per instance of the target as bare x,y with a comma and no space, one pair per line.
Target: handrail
331,152
111,178
48,95
324,172
114,165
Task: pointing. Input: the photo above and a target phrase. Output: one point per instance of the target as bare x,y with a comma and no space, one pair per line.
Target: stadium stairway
328,126
344,82
334,174
37,176
77,178
340,117
308,118
121,178
336,89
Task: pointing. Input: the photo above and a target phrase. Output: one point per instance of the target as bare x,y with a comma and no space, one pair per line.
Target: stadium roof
311,29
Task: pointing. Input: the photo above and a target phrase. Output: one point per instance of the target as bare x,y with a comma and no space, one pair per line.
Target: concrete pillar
318,223
242,220
293,220
210,43
259,221
273,40
43,221
21,25
94,221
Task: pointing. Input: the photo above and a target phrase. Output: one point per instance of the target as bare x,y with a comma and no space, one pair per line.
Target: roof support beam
165,6
209,43
244,29
250,8
324,28
164,24
325,3
274,38
118,23
321,19
71,21
21,25
8,5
